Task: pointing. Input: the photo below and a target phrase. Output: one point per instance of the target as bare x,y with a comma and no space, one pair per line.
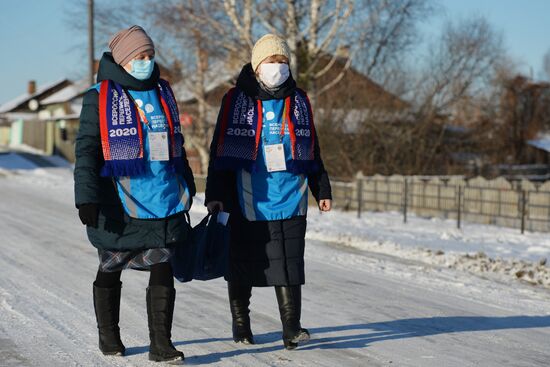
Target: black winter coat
221,185
116,230
263,253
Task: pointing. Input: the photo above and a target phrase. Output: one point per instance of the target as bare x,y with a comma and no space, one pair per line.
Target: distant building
62,109
21,117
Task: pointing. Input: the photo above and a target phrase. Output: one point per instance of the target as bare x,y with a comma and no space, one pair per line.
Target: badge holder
275,153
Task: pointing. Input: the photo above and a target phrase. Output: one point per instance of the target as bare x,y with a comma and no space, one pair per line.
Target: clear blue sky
524,24
37,43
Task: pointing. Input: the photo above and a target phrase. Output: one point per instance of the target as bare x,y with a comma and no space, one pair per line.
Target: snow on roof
68,93
541,142
14,103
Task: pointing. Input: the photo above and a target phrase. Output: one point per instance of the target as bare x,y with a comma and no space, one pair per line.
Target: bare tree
186,35
327,35
325,38
322,35
463,65
465,62
416,139
190,51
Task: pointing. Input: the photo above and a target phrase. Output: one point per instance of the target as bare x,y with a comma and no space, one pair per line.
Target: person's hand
88,214
214,207
325,205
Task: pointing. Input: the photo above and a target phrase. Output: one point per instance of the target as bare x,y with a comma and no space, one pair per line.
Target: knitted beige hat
128,43
268,45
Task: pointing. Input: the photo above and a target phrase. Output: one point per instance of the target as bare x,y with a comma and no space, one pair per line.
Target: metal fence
521,205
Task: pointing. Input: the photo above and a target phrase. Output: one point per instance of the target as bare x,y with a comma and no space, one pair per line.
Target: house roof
68,93
354,89
542,141
12,105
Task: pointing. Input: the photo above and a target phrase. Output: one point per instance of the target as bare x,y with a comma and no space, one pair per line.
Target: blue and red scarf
122,135
241,126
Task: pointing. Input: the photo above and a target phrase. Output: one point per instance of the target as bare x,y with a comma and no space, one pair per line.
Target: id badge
158,144
275,157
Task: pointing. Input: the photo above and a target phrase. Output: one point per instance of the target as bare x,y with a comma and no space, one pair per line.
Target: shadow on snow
374,332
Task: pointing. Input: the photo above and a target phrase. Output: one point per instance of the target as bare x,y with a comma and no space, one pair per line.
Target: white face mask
274,74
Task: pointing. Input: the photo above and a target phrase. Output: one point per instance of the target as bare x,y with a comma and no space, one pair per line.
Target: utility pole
91,60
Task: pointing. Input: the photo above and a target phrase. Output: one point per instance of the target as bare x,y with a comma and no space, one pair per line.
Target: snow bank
502,253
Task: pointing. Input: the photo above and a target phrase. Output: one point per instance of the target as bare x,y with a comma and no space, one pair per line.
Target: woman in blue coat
133,186
264,156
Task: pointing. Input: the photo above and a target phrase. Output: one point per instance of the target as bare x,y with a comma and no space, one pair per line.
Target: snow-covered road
363,308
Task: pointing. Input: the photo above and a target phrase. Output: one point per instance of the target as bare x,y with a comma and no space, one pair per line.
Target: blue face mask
142,69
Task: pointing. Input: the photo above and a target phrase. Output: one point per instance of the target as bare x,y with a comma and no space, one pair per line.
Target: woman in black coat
133,186
263,157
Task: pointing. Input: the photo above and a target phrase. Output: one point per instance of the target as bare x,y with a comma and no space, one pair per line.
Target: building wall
16,133
5,133
35,134
65,139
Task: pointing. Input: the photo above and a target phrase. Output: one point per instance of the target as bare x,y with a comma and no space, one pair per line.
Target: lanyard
144,118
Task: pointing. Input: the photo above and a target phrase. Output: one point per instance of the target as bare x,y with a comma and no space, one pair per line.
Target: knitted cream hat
266,46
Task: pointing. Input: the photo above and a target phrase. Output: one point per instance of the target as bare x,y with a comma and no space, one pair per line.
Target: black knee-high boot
160,313
107,310
290,308
239,300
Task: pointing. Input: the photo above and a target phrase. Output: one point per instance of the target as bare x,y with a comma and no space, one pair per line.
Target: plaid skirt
111,261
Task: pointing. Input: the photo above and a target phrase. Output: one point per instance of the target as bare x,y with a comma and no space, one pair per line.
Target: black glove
214,207
88,214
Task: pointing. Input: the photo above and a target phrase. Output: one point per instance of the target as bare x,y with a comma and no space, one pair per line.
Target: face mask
273,75
142,69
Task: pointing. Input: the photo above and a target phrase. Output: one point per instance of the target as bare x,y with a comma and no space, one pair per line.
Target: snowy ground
374,295
501,253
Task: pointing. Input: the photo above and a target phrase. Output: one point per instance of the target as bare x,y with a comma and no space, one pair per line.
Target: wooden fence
517,204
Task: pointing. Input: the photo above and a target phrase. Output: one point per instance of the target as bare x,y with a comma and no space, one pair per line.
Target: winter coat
116,230
263,253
